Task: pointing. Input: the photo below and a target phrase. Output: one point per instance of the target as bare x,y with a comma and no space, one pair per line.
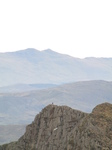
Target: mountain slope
63,128
20,108
32,67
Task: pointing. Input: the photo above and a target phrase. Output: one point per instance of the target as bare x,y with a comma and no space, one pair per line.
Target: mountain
20,108
63,128
25,87
31,66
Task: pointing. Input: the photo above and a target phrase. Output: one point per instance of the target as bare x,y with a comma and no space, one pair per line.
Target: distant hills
25,87
20,108
31,66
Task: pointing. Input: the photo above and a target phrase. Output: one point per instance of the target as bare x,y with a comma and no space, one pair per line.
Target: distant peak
49,51
29,50
52,52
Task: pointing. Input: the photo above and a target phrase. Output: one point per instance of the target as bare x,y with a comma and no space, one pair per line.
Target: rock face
63,128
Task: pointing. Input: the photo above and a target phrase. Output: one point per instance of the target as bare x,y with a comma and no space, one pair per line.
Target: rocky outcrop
63,128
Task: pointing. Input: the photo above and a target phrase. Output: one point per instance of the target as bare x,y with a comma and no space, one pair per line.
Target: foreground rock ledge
63,128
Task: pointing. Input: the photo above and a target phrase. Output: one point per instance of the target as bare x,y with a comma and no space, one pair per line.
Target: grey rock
63,128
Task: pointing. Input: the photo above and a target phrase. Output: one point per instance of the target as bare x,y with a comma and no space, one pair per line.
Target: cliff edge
63,128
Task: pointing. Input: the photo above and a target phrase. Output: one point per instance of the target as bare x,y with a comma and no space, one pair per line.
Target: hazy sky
80,28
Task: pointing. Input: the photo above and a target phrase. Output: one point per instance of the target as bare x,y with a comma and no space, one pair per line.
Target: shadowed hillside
9,133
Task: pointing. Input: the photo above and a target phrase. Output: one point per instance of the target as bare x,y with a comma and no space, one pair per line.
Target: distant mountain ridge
25,87
31,66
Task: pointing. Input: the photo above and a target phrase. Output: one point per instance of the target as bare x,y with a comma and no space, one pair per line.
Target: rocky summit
63,128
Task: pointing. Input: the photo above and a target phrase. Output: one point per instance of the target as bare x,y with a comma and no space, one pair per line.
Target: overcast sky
81,28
